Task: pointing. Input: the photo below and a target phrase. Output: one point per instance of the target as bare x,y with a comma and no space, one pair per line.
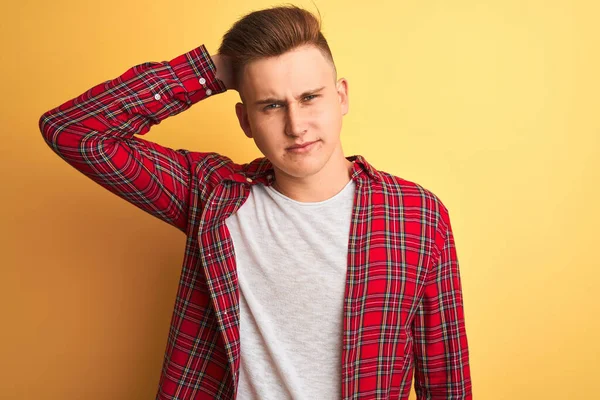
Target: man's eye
275,105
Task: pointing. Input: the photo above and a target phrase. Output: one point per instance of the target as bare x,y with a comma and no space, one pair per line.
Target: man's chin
300,170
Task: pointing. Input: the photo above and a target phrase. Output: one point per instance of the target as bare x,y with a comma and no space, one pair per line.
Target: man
307,274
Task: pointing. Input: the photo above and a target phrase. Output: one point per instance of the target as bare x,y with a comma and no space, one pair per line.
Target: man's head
286,77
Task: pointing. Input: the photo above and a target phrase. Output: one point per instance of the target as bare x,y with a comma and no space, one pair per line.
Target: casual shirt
403,304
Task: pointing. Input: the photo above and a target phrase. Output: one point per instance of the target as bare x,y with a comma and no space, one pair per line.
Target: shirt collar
261,171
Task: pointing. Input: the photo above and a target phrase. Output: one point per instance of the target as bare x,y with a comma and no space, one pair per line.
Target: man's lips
300,146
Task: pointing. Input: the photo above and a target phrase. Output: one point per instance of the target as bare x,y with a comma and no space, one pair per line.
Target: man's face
294,99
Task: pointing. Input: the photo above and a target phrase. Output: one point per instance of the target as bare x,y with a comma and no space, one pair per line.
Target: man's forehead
289,74
302,62
278,87
283,91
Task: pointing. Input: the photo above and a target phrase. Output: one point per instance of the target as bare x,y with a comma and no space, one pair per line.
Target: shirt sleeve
440,343
94,132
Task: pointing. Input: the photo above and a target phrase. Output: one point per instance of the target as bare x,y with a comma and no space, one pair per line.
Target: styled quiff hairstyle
272,32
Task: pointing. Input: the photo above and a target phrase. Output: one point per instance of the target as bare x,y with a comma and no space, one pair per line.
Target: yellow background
492,105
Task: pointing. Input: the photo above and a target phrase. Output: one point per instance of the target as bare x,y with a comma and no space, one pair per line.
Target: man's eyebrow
274,100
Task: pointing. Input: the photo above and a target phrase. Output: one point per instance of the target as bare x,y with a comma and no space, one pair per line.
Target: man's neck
316,188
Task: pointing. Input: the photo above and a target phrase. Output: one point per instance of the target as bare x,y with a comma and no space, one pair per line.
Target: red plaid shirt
403,306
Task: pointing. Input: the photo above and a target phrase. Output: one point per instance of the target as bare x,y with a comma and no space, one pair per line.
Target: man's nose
295,121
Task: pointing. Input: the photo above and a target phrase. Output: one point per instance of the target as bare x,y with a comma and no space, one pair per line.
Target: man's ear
240,111
342,89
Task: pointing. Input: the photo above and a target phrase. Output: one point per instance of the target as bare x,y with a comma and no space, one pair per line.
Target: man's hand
224,70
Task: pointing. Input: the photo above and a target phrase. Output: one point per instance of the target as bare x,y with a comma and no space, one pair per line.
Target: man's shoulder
216,165
213,168
226,166
412,193
392,186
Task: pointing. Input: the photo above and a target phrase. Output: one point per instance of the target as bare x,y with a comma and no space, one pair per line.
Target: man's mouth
301,146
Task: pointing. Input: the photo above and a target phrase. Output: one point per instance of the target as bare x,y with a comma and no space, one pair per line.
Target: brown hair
271,32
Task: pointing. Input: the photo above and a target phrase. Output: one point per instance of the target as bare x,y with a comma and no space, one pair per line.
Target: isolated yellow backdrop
492,105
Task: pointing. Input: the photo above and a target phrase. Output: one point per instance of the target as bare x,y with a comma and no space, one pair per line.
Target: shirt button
249,179
202,81
208,92
157,96
208,254
269,176
225,312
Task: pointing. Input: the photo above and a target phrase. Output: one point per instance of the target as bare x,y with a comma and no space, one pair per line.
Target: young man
307,274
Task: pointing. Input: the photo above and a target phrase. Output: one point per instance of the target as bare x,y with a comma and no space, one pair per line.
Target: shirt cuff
197,72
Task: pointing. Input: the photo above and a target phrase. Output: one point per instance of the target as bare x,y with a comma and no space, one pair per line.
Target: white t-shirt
291,262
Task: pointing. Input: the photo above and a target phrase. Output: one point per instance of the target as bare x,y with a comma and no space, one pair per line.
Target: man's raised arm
94,132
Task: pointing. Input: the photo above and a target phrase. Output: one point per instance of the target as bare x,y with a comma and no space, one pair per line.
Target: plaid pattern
403,309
